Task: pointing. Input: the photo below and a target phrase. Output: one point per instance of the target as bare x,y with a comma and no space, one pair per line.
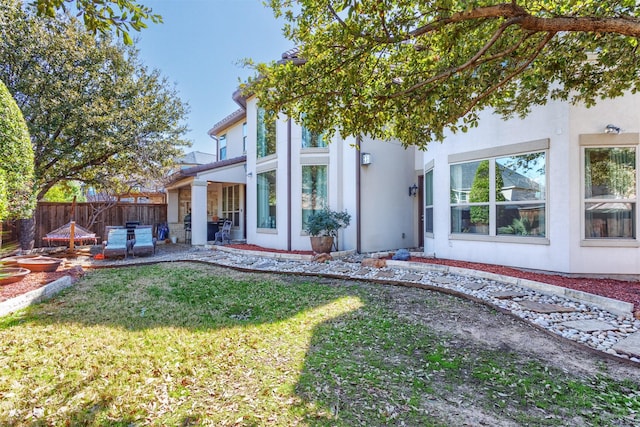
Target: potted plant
323,226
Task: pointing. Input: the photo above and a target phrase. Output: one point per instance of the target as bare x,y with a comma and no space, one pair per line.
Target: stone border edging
620,308
276,255
37,295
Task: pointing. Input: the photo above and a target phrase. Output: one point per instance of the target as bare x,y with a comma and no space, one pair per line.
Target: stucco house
560,195
271,176
555,191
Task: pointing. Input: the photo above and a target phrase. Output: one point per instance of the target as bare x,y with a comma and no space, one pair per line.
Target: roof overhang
226,171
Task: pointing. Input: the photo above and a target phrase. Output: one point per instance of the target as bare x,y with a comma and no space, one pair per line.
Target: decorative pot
12,274
321,244
41,263
12,261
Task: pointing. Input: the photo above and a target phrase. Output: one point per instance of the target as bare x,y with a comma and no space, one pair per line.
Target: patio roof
229,170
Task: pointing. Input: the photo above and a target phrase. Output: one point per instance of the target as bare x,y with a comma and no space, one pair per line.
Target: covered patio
205,195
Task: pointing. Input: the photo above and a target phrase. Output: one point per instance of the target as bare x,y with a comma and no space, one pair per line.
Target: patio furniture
144,242
117,243
224,233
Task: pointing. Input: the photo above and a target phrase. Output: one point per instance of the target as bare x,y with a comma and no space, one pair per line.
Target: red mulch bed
30,282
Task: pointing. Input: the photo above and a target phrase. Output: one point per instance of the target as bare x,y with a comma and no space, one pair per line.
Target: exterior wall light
365,159
413,190
612,129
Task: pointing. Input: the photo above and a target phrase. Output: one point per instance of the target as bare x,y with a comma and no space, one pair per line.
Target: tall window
267,199
428,202
244,138
314,190
231,204
512,203
610,195
266,142
222,143
521,195
312,139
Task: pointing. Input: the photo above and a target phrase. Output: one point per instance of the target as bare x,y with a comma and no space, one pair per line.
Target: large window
267,199
266,138
312,139
500,196
222,143
428,202
314,190
610,192
231,204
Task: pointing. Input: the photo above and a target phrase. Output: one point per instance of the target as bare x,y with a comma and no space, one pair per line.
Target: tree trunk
26,233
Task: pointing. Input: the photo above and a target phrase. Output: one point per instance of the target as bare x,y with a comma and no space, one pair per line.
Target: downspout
289,208
358,197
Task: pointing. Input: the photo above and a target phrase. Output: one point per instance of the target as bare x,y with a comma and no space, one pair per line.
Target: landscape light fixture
612,129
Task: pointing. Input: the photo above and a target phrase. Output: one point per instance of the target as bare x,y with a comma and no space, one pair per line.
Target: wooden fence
50,216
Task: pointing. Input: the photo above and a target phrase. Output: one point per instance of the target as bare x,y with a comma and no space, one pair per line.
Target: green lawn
187,344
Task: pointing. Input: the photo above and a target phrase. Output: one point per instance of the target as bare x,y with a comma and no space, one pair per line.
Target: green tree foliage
103,15
16,160
95,113
412,69
65,191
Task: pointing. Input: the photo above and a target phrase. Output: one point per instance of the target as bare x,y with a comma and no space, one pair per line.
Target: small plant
326,222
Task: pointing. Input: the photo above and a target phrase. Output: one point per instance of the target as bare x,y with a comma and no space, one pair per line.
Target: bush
326,222
16,163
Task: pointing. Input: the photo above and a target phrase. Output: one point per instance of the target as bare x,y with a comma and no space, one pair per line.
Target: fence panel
49,216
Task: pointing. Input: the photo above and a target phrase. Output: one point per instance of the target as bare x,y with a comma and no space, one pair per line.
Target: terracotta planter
12,274
321,244
41,263
12,261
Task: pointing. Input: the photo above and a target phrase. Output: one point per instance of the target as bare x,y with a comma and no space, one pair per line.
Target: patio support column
199,213
172,206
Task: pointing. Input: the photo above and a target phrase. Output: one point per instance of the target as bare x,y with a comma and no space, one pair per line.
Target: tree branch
627,26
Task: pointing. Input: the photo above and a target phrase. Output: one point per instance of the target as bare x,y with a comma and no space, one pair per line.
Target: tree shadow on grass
284,350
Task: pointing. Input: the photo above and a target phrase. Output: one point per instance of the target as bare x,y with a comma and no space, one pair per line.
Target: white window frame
222,145
429,169
491,154
598,140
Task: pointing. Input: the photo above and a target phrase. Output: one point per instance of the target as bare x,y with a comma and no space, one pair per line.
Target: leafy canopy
16,160
95,114
103,15
412,69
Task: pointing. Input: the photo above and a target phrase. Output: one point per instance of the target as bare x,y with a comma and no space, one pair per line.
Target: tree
66,191
102,15
412,69
16,161
95,113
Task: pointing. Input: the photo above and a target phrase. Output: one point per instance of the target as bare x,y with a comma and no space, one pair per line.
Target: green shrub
17,198
326,222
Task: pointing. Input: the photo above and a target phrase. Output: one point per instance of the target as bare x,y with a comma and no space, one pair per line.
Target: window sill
267,230
500,239
610,243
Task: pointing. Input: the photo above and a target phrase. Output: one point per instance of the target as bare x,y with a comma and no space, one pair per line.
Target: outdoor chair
224,233
144,242
117,243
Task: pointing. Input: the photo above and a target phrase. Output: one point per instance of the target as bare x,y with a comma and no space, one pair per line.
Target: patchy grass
181,344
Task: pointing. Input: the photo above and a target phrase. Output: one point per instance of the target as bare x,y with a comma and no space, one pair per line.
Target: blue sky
199,48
